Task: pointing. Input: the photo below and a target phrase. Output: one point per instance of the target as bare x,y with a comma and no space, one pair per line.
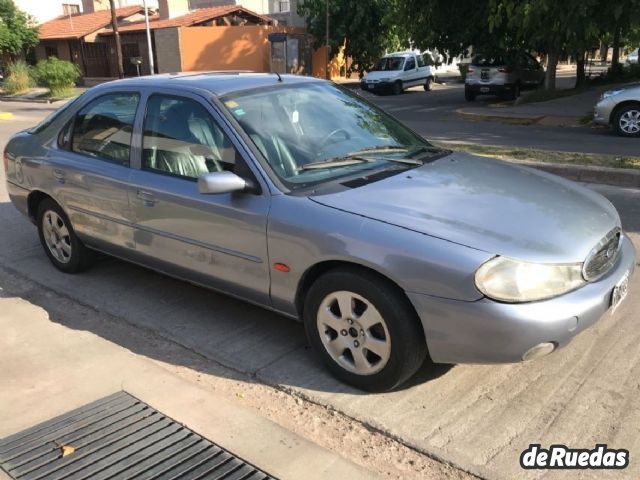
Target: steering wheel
347,135
326,143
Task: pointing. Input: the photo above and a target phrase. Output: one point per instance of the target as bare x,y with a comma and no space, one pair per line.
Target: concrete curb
518,118
26,100
620,177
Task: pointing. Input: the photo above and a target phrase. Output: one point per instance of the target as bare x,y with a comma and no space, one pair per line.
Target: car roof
399,54
219,83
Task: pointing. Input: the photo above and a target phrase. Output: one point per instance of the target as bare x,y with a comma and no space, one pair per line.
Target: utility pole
149,46
114,25
328,75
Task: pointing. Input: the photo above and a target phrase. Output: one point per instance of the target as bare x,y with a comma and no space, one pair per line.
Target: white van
396,71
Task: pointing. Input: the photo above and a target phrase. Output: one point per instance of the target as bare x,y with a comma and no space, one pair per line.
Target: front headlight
513,281
610,93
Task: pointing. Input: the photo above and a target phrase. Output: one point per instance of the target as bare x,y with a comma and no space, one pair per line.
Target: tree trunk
116,34
615,56
550,75
581,77
604,52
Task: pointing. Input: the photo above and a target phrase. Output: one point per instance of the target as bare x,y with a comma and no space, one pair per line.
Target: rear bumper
489,89
491,332
19,197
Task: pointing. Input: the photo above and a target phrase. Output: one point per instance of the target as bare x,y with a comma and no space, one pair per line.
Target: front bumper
487,331
602,111
377,86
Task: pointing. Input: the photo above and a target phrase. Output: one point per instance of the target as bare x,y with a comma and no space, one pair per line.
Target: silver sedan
620,108
303,198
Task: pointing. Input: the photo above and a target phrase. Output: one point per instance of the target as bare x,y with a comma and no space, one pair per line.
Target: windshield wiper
360,156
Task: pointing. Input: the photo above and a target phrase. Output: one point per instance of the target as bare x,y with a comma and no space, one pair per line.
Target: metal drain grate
118,437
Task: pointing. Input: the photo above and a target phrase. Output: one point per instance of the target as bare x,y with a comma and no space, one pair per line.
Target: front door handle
148,200
59,175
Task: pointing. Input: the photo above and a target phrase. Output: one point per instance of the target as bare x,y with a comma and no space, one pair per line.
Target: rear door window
102,129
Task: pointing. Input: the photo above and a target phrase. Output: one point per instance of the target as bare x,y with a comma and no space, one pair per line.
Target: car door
410,72
215,240
90,168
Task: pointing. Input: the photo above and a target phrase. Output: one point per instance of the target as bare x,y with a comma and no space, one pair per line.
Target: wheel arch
317,270
34,199
620,106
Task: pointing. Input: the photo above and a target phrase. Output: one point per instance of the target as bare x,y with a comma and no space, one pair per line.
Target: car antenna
279,77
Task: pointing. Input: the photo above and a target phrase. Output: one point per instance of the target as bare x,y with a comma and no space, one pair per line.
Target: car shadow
147,312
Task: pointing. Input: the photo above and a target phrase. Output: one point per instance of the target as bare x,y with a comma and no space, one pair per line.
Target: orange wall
227,48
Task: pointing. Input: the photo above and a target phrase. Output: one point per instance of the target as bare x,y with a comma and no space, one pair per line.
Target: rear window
489,61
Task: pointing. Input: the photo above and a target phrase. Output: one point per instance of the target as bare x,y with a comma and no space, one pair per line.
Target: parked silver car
504,75
303,198
620,108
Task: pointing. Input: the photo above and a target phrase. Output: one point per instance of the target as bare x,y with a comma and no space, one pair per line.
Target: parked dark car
502,74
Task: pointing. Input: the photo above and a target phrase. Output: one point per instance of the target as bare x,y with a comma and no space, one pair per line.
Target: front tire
65,250
626,121
364,329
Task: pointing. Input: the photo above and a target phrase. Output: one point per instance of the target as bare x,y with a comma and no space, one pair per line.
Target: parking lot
475,417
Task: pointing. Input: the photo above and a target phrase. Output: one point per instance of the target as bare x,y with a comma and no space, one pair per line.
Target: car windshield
313,133
387,64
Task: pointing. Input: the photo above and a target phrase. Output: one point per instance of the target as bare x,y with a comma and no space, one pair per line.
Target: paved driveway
476,417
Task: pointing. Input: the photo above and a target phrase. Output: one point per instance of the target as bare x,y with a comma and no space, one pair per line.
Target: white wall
44,10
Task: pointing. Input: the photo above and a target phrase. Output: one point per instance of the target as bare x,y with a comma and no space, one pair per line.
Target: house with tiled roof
224,37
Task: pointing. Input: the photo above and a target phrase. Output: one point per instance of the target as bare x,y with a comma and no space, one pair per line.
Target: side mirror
221,182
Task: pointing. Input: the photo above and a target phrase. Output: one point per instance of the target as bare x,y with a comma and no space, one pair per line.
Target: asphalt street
433,115
475,417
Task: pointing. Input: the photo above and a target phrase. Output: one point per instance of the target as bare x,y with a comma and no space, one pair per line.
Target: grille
118,437
603,256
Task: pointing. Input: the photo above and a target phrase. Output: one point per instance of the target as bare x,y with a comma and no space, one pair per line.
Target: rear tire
469,95
626,121
428,86
61,244
398,88
348,310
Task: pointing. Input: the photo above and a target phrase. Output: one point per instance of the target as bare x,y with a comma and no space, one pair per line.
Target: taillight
505,69
471,70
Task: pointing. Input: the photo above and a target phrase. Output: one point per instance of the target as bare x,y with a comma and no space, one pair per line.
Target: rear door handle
59,175
148,200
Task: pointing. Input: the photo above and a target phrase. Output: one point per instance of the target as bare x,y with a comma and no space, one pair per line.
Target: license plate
370,87
620,292
484,89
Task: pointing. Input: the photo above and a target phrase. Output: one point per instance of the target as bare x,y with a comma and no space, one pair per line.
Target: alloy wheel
56,236
354,333
630,122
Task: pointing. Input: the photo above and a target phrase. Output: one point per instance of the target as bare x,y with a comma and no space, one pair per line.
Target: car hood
378,75
487,204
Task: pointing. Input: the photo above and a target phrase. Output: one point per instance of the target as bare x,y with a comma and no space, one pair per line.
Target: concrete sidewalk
49,369
565,111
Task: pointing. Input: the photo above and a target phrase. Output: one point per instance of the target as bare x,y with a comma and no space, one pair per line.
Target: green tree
365,27
450,26
548,26
17,33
